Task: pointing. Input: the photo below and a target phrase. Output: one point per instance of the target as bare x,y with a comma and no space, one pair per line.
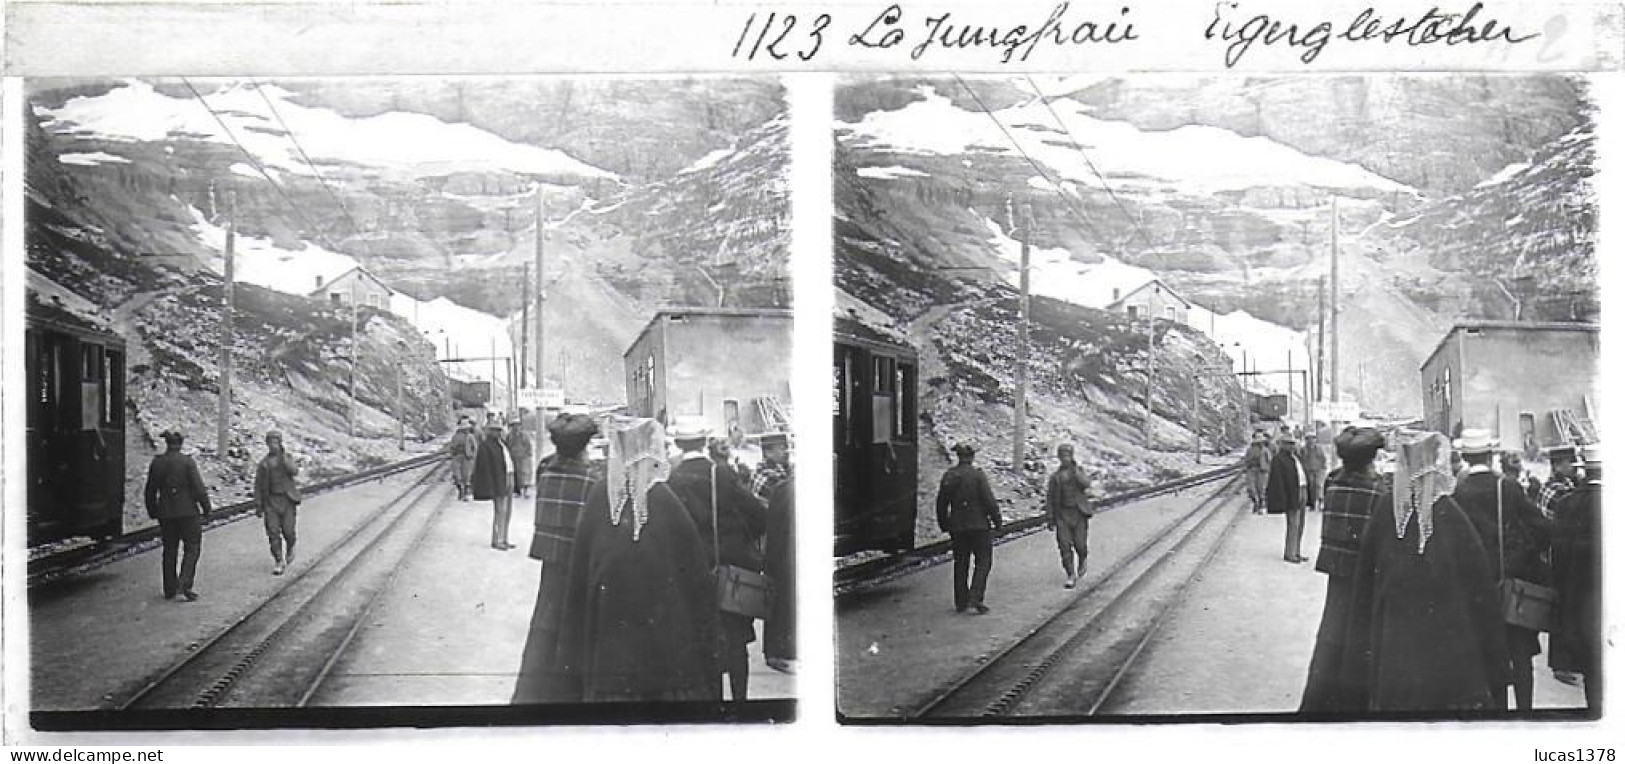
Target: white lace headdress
1421,477
637,460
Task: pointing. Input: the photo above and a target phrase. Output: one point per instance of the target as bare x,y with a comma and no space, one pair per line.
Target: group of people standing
496,468
629,607
178,499
1283,478
1439,581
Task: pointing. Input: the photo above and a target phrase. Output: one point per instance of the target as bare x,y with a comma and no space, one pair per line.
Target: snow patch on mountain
890,173
418,144
1200,159
91,159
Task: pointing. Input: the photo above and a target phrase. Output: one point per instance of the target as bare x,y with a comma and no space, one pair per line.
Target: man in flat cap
968,513
464,446
1353,492
1256,463
519,447
563,481
276,501
1066,502
178,500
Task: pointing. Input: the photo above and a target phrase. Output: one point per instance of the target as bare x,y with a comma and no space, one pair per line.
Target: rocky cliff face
1457,196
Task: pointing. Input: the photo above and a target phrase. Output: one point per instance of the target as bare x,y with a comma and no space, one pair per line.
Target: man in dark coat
779,630
1577,575
493,480
1353,493
640,613
711,490
1512,468
519,449
1066,502
1511,528
1562,479
1425,620
968,513
563,482
1288,494
178,500
276,501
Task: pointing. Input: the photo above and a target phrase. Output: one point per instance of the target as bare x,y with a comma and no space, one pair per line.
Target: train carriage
876,440
75,421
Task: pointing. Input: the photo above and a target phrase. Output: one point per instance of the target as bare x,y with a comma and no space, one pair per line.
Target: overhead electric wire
259,167
1040,170
1092,168
312,165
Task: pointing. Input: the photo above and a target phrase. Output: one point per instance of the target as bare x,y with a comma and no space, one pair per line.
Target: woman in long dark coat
640,614
1425,622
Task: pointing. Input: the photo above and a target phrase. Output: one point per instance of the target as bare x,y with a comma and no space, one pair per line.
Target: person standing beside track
563,482
968,513
1257,464
1066,502
178,500
1353,493
463,448
1314,467
493,480
1288,494
520,448
276,500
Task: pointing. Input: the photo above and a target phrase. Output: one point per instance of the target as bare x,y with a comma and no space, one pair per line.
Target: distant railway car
1268,407
876,440
74,374
470,395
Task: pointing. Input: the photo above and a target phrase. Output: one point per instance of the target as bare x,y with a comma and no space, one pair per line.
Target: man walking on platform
968,513
1288,494
1256,462
276,500
1066,502
178,500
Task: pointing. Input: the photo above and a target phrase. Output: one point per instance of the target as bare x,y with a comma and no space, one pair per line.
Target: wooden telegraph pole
541,295
1150,355
1019,450
1334,378
524,323
227,335
1320,341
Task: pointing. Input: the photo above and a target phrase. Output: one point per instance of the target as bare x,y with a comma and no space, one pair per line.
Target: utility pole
400,398
524,323
541,294
355,358
1019,451
1196,415
1334,378
1150,354
1320,340
227,335
1289,384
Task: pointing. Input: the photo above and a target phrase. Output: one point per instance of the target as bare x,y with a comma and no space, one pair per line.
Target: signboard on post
541,398
1336,411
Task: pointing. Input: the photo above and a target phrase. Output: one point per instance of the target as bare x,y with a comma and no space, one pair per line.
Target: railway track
59,566
1072,663
853,579
278,654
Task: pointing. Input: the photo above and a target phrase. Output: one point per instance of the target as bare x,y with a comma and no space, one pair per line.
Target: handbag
1523,603
740,591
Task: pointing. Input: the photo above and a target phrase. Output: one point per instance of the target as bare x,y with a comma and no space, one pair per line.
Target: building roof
1159,282
336,279
664,314
1520,326
851,330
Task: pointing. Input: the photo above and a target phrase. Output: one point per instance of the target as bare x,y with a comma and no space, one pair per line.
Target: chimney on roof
318,282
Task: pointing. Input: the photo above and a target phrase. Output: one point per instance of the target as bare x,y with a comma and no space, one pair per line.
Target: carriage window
113,390
906,417
882,397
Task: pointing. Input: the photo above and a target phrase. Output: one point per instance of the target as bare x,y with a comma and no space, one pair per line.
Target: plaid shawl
562,486
1351,498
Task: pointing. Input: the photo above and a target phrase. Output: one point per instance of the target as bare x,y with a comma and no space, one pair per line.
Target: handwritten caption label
778,36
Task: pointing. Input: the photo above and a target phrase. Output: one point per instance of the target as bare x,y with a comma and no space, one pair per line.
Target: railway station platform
1237,641
447,629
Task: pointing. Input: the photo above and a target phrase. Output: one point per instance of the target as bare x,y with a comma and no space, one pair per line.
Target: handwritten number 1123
768,40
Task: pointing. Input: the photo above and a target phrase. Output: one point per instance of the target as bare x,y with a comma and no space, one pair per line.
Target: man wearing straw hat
710,490
1514,534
